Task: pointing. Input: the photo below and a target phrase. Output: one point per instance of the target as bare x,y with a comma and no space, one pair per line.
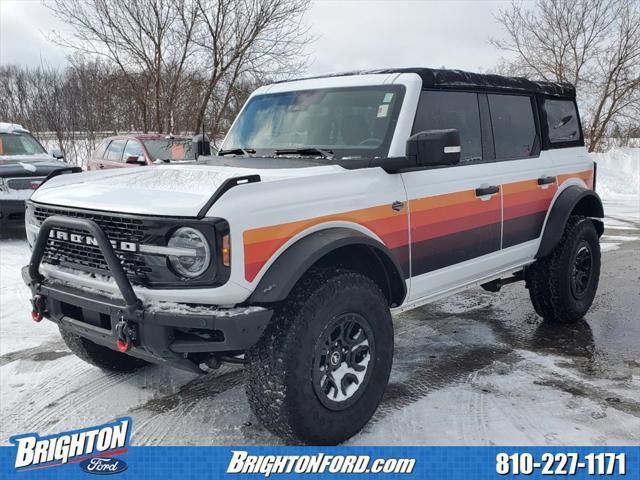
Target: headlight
30,225
197,254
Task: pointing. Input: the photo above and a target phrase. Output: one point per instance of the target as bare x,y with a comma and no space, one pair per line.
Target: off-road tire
100,356
279,373
549,279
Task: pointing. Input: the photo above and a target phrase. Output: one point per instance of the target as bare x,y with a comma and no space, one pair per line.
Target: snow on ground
474,369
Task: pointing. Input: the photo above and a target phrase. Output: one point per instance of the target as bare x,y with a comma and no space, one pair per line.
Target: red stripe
440,229
515,211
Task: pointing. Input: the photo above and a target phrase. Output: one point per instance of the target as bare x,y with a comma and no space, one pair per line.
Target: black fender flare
574,200
296,260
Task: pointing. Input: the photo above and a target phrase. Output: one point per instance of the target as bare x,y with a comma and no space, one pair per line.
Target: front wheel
562,286
320,369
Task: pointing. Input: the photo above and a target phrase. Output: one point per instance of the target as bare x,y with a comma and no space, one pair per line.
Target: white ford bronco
333,202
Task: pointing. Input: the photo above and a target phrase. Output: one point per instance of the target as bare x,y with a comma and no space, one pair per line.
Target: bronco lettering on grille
91,241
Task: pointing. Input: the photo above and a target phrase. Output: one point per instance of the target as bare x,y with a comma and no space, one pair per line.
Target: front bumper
11,213
180,335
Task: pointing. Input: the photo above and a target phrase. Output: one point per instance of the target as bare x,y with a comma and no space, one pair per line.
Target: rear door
455,212
97,157
528,178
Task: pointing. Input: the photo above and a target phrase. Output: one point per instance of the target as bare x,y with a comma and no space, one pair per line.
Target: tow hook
125,334
38,308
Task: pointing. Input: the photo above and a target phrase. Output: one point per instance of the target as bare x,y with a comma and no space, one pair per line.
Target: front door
455,212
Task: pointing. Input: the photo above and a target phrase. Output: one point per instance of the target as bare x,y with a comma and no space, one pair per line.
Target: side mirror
57,154
201,145
434,147
135,159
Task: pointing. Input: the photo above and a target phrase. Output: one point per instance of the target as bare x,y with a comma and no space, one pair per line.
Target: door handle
482,191
397,205
101,166
546,180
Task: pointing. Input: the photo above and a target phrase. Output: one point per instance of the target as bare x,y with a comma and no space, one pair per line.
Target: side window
114,152
102,148
133,149
514,128
562,120
459,110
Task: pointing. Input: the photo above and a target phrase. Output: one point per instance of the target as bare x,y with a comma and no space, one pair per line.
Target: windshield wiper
237,151
306,151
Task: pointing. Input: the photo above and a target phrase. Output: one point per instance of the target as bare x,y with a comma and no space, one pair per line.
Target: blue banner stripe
201,463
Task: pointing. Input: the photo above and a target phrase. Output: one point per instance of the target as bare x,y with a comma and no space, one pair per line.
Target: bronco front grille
88,257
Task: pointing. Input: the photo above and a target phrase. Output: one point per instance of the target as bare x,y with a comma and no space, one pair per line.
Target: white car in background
24,164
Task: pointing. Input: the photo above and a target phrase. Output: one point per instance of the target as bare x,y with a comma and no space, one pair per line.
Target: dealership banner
452,463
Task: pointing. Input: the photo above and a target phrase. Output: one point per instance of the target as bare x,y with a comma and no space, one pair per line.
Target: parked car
137,150
24,164
333,201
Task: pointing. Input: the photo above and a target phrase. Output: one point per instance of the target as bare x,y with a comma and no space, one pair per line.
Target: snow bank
618,172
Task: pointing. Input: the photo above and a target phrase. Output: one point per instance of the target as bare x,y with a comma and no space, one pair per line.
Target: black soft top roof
456,79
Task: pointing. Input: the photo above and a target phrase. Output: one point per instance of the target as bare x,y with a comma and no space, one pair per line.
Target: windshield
347,122
19,144
170,149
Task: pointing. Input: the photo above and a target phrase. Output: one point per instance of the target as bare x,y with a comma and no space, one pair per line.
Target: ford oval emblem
103,465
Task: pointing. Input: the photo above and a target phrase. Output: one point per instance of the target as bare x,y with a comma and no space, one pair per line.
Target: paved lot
477,368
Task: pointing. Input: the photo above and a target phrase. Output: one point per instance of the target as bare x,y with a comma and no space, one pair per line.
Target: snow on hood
173,190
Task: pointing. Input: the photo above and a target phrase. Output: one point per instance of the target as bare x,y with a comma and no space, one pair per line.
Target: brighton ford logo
100,442
103,466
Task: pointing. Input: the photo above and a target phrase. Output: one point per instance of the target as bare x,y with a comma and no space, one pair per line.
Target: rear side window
562,121
114,153
458,110
514,128
99,153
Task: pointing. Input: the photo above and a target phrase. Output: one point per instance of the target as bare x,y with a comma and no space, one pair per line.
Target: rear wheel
562,286
100,356
320,369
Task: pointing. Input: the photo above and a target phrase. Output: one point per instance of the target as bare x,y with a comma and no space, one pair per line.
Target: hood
28,165
172,190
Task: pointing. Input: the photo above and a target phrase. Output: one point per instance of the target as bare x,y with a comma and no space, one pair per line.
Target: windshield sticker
387,97
383,110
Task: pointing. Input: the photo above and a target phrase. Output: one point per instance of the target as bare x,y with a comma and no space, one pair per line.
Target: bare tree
594,44
150,42
161,46
248,40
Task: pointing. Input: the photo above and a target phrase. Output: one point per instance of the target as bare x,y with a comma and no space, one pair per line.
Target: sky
350,34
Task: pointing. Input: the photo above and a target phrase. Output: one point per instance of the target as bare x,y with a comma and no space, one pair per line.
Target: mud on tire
296,384
100,356
562,285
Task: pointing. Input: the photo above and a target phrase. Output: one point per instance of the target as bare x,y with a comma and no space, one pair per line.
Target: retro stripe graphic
392,227
445,229
451,228
526,204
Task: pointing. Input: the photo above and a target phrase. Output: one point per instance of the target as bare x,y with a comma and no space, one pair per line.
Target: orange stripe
586,175
444,200
288,230
473,207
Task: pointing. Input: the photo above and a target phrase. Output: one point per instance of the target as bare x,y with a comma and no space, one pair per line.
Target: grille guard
151,335
133,305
